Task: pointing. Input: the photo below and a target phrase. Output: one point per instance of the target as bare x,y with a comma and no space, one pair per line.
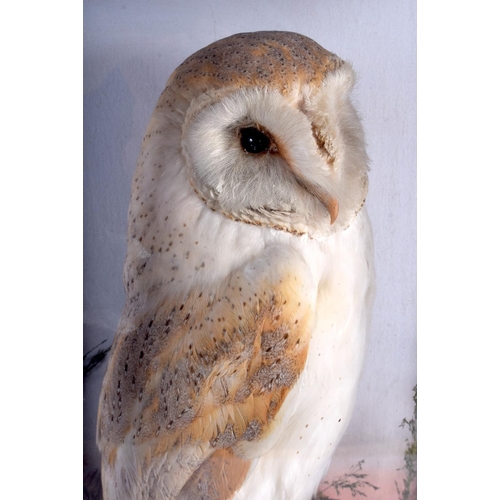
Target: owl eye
254,141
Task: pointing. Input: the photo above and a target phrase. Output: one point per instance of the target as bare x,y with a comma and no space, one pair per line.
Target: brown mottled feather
210,368
262,59
218,478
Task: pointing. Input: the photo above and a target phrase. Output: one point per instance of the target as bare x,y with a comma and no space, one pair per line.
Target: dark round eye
253,140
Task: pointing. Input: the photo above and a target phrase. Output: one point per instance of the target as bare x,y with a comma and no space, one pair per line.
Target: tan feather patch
273,59
210,368
218,478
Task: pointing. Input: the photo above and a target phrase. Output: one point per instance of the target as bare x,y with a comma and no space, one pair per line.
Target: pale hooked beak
312,185
332,205
329,202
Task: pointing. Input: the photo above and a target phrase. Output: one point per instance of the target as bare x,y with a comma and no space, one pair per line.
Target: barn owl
248,279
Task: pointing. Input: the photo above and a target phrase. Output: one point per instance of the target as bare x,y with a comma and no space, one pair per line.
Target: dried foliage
96,359
409,491
354,481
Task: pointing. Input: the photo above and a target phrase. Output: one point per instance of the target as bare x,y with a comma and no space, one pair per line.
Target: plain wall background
131,48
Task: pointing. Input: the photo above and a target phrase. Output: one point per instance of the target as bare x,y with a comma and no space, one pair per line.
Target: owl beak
330,203
333,209
313,186
327,200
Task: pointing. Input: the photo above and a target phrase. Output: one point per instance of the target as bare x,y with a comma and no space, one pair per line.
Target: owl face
269,136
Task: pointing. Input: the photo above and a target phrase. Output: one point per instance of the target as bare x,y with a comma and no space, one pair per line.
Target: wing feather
196,380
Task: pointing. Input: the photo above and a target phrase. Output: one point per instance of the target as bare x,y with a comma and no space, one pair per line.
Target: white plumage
248,276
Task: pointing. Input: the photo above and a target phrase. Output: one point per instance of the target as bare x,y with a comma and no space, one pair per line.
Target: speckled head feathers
276,59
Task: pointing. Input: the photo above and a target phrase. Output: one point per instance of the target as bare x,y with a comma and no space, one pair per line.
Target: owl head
266,132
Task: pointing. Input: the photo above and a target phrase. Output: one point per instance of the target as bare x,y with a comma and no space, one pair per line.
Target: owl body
248,278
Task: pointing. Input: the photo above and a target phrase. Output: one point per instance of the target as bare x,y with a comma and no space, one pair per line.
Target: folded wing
193,391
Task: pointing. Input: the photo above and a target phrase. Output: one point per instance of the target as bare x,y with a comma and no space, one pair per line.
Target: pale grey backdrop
130,49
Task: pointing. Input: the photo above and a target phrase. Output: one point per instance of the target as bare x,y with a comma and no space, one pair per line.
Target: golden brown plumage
214,366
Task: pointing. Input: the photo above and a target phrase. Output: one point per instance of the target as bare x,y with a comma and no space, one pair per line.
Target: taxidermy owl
248,279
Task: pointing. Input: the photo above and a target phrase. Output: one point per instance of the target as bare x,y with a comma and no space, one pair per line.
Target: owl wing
193,393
